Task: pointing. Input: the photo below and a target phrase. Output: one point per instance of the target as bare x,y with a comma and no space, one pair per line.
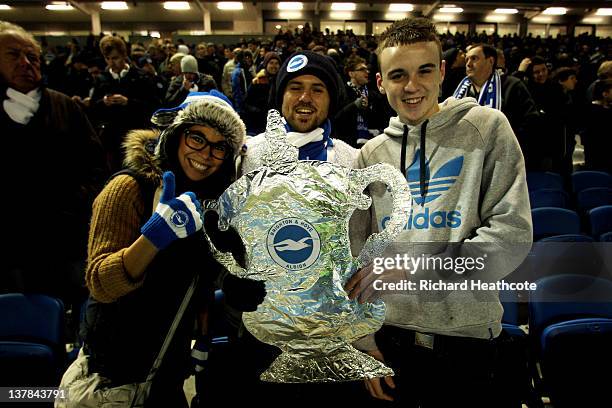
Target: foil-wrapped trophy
293,218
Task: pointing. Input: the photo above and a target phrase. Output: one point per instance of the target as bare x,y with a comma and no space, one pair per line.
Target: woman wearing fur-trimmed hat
146,247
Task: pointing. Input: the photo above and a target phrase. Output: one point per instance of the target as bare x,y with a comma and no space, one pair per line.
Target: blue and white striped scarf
490,93
312,145
362,123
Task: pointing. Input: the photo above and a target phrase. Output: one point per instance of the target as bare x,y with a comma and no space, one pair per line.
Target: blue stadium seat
581,180
583,325
600,219
73,354
565,254
543,180
548,197
573,353
548,221
568,238
513,368
32,349
219,327
566,297
510,301
607,237
590,198
557,301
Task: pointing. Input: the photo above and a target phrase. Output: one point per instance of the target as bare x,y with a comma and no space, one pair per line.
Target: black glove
243,294
225,241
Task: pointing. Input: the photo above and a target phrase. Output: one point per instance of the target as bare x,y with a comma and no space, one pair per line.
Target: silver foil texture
293,218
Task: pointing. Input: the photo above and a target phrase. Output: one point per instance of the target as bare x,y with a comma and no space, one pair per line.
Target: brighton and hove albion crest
296,63
294,244
180,218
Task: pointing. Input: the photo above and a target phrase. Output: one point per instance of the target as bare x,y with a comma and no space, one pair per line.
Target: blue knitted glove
199,353
174,217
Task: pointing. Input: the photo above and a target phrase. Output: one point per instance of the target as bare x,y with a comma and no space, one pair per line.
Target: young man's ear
379,83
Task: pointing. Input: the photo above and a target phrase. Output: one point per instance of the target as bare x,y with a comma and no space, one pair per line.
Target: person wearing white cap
183,49
190,80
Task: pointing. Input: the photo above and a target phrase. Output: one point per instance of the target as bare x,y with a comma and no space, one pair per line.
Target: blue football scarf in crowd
490,93
312,145
363,135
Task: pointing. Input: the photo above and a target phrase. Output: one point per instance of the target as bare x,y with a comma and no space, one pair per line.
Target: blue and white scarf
312,145
362,123
490,93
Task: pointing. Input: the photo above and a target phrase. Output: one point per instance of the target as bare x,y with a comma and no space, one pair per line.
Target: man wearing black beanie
309,63
307,94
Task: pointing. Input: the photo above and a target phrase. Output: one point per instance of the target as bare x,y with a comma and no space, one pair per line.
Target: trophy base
346,364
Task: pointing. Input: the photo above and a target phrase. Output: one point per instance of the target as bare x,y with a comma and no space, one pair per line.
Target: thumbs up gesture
174,217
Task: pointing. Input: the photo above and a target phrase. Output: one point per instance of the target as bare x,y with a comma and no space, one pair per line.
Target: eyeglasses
362,69
197,141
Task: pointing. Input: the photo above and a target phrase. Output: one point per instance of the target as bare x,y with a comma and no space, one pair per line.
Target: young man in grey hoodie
467,178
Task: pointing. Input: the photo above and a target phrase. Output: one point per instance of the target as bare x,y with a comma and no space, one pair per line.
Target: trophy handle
226,259
402,203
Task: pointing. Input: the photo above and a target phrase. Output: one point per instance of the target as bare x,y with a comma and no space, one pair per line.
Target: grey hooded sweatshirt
471,190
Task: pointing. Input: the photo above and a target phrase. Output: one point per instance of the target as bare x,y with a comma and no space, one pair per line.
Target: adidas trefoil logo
441,181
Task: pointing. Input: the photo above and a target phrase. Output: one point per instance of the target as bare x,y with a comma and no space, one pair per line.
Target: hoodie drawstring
403,154
422,164
422,158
